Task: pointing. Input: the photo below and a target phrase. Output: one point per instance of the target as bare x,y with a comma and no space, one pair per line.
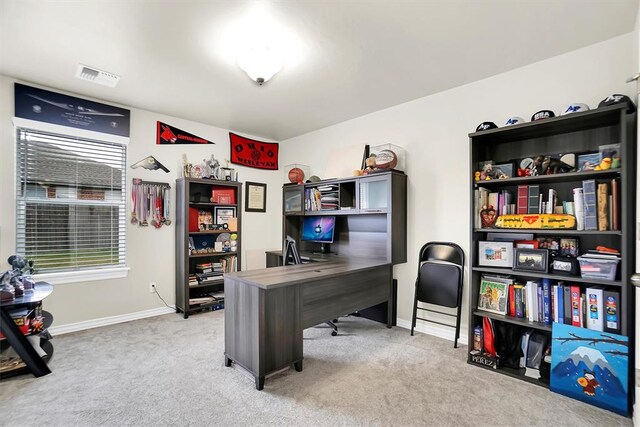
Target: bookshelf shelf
560,277
513,320
195,193
555,231
577,133
543,179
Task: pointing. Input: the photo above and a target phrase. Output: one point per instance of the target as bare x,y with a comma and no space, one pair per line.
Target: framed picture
526,244
504,170
588,162
550,243
255,199
493,294
495,254
569,247
531,259
222,215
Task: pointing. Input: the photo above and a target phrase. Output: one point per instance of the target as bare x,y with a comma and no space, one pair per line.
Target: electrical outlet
152,287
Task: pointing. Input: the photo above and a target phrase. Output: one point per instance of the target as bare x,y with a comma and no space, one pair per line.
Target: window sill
82,276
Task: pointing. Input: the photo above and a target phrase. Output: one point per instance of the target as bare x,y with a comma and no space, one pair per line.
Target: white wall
150,251
433,131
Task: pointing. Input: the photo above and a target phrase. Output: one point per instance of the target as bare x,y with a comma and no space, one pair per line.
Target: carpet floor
170,371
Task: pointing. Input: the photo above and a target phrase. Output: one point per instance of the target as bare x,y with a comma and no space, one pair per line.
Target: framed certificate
255,197
224,214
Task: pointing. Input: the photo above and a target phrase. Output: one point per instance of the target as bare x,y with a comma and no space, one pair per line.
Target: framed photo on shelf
495,254
569,247
551,243
505,170
531,259
222,215
255,198
493,294
526,244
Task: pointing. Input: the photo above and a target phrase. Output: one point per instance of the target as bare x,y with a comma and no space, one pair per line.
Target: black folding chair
439,282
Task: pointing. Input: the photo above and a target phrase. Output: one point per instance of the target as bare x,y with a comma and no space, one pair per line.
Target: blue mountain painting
590,366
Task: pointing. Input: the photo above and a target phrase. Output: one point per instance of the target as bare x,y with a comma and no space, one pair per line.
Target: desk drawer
329,298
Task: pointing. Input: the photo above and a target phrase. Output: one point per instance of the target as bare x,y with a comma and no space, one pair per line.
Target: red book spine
512,301
575,306
523,199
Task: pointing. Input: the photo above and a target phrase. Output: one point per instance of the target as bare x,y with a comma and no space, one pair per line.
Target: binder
612,312
534,196
575,306
523,199
595,308
560,304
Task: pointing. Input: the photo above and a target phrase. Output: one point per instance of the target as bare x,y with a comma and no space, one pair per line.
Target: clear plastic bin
598,268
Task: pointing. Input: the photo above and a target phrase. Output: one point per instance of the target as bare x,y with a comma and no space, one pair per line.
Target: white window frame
91,275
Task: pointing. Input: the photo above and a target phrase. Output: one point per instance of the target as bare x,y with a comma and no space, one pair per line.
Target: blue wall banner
44,106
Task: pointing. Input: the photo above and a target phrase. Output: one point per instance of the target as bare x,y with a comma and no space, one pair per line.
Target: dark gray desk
266,310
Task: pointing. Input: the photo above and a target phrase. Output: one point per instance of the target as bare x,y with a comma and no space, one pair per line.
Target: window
70,202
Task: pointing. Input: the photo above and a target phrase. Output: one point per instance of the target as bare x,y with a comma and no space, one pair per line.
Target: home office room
318,213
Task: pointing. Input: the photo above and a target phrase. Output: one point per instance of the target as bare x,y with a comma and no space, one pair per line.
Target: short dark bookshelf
573,133
197,193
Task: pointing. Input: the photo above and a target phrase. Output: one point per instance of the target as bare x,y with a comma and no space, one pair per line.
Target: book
523,199
552,201
615,204
595,308
560,304
575,306
534,196
519,306
567,305
546,301
590,209
578,207
603,207
512,301
612,317
540,304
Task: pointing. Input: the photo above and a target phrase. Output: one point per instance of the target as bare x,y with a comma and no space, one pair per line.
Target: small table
16,339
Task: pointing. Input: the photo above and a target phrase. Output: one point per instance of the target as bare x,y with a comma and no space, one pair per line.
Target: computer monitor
319,229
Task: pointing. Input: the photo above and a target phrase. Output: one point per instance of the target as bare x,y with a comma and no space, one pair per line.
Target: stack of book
322,198
211,278
193,280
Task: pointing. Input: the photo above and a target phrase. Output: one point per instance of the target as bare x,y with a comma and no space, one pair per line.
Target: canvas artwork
590,366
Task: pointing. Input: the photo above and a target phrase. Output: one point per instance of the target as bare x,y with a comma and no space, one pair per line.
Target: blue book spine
546,296
540,309
560,304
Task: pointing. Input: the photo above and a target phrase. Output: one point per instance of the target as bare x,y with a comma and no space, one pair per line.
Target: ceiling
354,57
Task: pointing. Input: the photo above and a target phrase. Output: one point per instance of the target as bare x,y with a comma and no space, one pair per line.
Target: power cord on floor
159,296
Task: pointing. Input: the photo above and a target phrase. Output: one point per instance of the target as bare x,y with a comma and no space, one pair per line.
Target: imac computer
319,229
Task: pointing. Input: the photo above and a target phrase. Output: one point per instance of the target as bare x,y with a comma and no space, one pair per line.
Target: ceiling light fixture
260,63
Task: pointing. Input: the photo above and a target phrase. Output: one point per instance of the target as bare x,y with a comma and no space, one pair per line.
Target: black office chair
291,256
439,282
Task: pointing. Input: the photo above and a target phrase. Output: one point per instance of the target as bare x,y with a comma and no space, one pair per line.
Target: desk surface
275,277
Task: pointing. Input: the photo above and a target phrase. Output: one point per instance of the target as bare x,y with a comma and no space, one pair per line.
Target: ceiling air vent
95,75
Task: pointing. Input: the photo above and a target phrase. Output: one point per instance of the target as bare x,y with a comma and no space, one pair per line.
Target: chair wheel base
334,333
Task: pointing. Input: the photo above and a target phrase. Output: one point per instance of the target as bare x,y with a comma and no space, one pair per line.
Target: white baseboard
435,330
111,320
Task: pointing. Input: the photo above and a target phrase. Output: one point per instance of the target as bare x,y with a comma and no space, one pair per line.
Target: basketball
296,175
386,159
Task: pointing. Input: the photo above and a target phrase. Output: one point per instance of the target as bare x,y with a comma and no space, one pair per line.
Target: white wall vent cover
95,75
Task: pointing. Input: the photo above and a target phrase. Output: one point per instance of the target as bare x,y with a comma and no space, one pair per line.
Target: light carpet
170,371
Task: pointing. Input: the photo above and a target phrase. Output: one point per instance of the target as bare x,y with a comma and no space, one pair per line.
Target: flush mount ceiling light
260,63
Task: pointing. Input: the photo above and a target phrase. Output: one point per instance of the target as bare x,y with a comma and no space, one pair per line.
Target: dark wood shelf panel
514,373
212,232
206,285
554,231
512,272
213,254
560,177
209,204
600,117
513,320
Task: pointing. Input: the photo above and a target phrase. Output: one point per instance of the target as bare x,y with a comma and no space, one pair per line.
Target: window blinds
70,202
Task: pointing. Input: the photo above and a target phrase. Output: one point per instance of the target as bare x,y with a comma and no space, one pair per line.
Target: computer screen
318,229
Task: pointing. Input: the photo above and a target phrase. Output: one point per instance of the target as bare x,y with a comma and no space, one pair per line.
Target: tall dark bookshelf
194,193
573,133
